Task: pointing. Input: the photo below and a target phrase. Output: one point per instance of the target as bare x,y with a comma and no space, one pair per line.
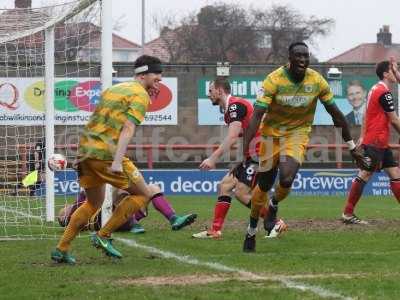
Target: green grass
353,261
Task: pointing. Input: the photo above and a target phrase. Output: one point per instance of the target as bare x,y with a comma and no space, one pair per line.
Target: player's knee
154,188
265,180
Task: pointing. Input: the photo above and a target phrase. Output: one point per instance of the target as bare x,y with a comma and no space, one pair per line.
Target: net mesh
77,32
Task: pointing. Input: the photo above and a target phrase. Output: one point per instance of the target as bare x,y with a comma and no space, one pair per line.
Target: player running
237,113
159,202
101,158
380,114
289,98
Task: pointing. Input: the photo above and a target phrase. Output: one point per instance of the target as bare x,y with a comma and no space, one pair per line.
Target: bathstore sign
22,101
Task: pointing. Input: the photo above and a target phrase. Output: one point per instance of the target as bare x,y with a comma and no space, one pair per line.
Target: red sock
354,195
395,187
220,211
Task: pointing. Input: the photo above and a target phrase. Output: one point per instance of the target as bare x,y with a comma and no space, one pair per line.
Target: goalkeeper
159,202
101,158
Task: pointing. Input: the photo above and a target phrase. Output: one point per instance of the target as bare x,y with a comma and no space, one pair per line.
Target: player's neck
224,102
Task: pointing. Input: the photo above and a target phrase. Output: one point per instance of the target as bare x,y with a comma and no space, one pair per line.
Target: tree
227,32
284,25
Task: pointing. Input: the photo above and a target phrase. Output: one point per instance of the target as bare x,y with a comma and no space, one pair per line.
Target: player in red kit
237,114
380,116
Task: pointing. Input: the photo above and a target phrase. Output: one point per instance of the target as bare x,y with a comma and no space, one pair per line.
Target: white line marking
321,292
5,209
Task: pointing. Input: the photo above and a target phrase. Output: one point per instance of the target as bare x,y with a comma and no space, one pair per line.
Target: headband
153,68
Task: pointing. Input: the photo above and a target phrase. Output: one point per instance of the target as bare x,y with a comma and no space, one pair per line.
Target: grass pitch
317,258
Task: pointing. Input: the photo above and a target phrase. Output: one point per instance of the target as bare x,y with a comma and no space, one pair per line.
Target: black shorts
247,173
380,158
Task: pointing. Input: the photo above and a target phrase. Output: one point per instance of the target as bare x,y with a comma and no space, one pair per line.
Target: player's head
299,59
356,93
219,88
384,71
148,70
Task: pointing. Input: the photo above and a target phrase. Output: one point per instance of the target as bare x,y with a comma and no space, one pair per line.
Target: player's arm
234,130
254,124
127,133
236,114
264,99
386,102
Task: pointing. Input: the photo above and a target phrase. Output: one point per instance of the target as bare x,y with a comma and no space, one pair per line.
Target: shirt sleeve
325,94
236,112
386,102
137,107
267,93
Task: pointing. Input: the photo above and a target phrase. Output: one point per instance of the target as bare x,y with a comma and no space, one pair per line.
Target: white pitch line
321,292
5,209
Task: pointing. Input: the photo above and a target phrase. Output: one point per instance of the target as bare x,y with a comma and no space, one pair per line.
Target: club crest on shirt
308,88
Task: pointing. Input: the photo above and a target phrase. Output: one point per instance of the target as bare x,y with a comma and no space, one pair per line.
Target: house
371,53
74,41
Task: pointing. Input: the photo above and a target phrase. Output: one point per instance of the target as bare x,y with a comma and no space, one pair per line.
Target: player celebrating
289,98
101,158
237,113
159,202
380,114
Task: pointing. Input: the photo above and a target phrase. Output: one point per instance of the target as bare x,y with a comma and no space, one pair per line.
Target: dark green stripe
260,104
139,107
108,121
133,119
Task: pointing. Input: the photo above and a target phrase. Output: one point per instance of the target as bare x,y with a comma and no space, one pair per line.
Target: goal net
64,40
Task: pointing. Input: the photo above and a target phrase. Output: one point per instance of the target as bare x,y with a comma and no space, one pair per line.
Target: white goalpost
54,63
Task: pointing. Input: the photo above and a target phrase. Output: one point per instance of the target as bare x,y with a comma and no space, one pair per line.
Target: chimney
23,3
384,36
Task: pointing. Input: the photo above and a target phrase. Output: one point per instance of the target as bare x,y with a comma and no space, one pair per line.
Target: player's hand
116,167
361,161
207,164
393,64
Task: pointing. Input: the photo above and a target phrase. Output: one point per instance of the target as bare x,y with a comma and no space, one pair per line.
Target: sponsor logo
86,95
295,101
160,98
8,96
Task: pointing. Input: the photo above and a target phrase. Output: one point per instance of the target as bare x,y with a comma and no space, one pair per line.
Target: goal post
54,62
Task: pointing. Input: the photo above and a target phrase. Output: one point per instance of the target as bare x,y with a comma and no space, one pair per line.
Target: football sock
395,187
220,211
78,220
128,206
354,195
140,214
258,200
280,193
163,206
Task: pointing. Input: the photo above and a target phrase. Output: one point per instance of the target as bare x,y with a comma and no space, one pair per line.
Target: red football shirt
377,124
239,109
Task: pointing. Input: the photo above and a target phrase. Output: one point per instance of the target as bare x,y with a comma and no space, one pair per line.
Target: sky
356,21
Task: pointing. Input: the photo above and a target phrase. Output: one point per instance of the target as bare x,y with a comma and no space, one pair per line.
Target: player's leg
78,221
355,193
390,166
376,155
268,160
288,168
162,205
243,192
221,208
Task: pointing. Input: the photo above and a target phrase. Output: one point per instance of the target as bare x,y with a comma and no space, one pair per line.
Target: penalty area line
285,281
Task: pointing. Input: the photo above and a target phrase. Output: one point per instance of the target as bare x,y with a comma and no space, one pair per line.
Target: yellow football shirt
291,106
119,103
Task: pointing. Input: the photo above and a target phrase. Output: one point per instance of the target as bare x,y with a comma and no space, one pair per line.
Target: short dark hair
146,60
292,45
381,68
222,82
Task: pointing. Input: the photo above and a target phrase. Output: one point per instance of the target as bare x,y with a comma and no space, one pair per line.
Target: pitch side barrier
192,182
